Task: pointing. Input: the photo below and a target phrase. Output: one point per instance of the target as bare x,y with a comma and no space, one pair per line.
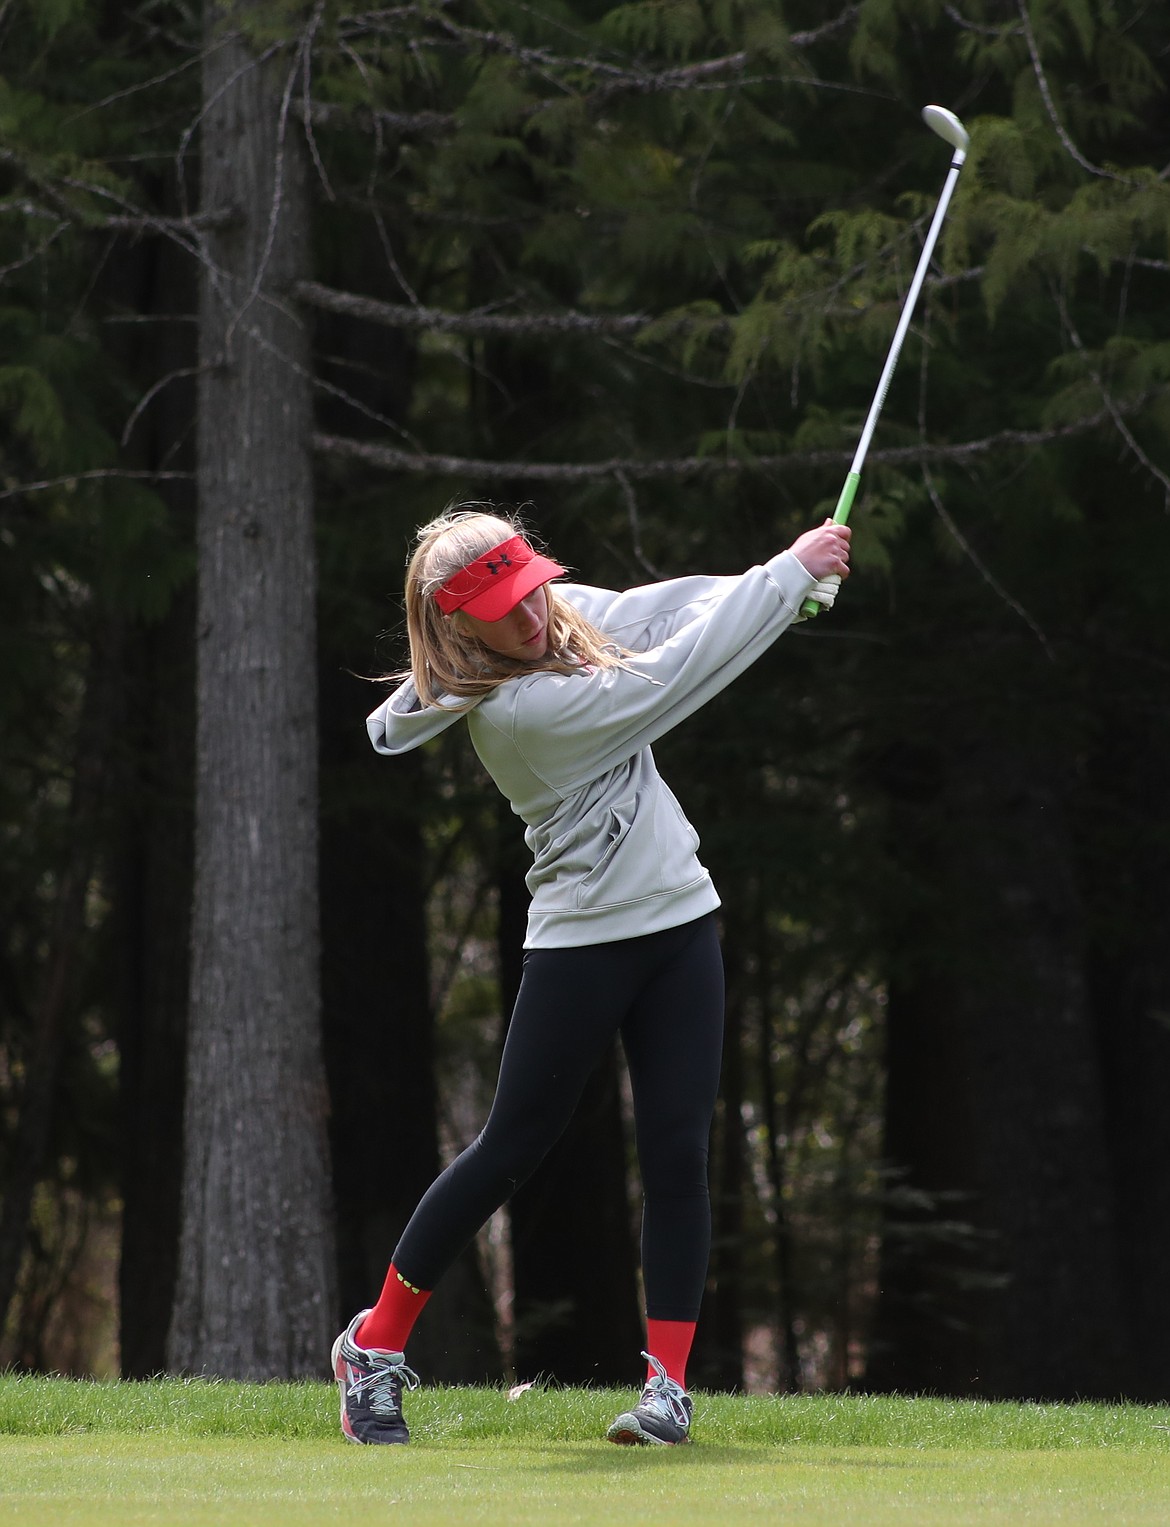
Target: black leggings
664,994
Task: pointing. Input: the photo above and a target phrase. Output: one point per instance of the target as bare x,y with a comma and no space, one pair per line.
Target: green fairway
107,1454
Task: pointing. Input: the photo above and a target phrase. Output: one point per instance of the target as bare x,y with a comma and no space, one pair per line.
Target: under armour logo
495,567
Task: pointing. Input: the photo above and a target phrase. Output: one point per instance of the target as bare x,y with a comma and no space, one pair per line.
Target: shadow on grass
612,1462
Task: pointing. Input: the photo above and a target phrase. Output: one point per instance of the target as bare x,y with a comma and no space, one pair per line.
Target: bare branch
152,392
981,568
392,260
484,321
419,124
965,25
1050,105
585,74
260,339
847,15
679,468
278,180
945,516
208,102
455,466
307,101
71,479
121,95
131,218
478,321
38,250
631,499
1112,406
185,231
149,318
147,222
629,76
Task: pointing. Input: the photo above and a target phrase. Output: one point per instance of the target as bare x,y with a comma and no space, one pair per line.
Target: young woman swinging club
564,687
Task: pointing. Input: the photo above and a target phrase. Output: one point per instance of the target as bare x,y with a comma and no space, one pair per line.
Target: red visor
496,582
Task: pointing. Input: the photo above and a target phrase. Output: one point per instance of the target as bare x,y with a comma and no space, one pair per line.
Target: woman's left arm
705,632
642,617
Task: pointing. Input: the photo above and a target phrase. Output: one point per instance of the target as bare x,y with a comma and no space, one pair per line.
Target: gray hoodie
613,855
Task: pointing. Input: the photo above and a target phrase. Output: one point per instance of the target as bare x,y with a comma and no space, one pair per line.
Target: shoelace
384,1382
664,1395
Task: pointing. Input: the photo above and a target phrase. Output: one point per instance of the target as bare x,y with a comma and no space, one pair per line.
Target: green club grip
810,607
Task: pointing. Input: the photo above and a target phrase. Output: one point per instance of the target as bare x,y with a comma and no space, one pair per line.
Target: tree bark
255,1295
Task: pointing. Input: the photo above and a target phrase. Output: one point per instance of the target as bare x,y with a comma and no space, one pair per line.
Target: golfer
564,687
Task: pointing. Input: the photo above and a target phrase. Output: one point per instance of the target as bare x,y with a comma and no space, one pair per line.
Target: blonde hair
446,658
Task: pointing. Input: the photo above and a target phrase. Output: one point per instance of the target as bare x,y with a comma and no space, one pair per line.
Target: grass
79,1454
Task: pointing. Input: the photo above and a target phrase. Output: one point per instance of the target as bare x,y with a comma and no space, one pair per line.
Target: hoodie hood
402,722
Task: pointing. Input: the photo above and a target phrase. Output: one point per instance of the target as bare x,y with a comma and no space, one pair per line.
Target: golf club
951,130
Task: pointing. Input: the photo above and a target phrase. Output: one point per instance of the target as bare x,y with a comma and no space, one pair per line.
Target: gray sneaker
371,1382
662,1417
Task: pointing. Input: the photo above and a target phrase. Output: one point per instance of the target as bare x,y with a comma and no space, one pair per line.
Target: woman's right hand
824,551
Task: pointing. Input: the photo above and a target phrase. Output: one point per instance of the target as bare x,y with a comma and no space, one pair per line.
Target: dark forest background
278,280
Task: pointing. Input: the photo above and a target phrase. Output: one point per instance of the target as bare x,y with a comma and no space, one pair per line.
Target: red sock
670,1342
389,1323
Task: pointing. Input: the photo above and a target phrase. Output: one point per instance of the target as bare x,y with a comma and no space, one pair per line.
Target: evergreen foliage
640,265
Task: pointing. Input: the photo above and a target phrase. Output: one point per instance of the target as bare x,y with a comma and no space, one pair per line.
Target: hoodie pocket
593,888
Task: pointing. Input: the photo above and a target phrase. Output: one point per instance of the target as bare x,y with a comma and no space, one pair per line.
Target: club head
947,126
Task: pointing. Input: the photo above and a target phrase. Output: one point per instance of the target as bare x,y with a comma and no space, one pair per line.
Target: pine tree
255,1288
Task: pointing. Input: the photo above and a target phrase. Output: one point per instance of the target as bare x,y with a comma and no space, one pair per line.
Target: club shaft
904,319
849,490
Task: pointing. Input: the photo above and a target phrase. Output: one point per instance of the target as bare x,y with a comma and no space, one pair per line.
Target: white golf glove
823,593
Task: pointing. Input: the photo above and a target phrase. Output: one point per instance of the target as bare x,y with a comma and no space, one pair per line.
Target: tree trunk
255,1295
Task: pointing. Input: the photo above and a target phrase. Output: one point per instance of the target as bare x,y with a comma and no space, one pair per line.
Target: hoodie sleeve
644,617
402,722
704,632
